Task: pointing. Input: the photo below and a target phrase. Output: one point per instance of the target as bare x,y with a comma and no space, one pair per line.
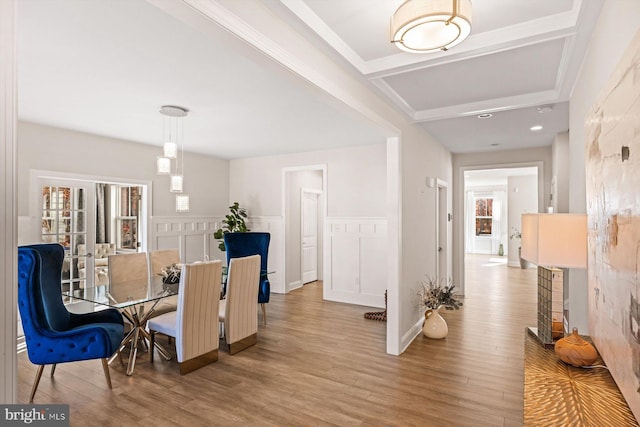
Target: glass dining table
137,301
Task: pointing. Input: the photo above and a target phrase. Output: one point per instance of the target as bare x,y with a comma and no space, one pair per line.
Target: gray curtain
101,214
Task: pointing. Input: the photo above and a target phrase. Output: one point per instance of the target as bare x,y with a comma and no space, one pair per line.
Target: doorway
91,218
494,201
304,212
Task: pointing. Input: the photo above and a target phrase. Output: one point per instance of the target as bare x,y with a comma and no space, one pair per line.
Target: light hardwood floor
321,363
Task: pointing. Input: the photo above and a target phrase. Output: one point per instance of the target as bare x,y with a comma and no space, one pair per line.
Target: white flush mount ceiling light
421,26
536,128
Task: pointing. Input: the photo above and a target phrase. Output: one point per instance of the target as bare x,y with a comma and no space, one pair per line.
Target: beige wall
61,150
356,180
422,158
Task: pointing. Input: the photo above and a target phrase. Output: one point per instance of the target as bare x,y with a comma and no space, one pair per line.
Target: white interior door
309,235
67,216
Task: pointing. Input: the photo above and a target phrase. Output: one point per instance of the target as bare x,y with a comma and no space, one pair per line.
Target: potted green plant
234,222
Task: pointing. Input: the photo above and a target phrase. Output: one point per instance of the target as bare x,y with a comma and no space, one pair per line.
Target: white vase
435,326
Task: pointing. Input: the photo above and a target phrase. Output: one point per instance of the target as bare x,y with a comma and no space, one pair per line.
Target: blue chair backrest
39,292
240,245
246,244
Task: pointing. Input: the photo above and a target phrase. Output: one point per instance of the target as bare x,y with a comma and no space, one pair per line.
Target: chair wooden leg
105,367
264,313
53,369
34,387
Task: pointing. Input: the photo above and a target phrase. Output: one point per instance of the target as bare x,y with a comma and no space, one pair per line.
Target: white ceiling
106,66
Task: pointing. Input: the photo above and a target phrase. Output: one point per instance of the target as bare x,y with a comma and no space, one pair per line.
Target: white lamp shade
163,166
176,184
430,25
556,240
170,150
182,203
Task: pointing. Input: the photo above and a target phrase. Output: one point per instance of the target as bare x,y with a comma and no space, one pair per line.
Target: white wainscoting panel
193,236
355,260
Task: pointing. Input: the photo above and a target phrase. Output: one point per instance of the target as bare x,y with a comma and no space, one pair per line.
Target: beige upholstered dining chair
128,276
129,279
239,311
162,258
159,259
193,324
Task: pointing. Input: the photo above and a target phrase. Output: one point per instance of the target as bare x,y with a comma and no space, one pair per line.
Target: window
484,216
128,217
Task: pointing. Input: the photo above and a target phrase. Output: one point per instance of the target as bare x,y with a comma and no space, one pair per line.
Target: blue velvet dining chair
245,244
53,334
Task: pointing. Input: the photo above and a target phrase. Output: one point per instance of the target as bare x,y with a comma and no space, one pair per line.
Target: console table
557,394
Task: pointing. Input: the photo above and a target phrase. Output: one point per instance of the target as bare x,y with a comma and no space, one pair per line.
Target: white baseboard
294,285
411,335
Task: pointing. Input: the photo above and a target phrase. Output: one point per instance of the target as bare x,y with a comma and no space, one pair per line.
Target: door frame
443,231
319,226
36,175
459,206
286,171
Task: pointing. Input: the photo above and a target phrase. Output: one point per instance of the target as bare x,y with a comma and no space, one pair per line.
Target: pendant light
174,115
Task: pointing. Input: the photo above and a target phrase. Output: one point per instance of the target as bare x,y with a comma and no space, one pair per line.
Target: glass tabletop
124,295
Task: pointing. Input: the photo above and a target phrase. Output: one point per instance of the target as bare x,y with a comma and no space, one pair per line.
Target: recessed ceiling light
536,128
485,115
495,144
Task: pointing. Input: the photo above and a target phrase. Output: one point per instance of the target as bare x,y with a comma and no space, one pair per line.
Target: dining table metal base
138,336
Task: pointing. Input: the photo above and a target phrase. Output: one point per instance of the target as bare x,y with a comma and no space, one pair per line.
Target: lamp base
533,331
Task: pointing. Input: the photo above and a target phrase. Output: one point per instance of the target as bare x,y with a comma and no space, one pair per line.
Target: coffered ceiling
521,55
106,66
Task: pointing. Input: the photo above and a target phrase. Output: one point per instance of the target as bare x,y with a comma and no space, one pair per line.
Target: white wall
62,150
618,22
422,157
356,181
522,198
560,174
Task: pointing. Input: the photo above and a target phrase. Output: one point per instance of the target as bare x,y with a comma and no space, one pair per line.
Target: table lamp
553,241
